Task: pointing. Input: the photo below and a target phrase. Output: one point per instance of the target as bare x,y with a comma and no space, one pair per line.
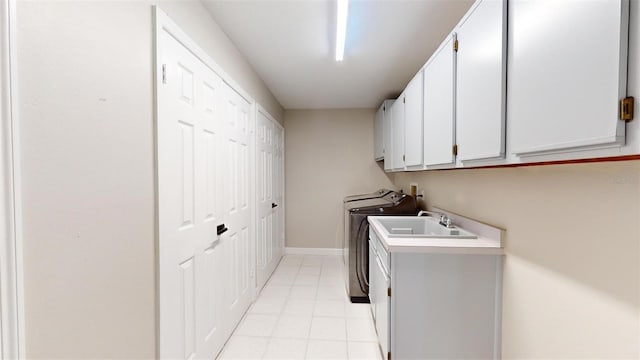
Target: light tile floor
303,313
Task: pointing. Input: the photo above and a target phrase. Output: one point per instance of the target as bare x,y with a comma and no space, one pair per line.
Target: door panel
397,121
188,139
388,135
566,78
481,80
279,195
269,196
383,306
237,210
413,122
439,106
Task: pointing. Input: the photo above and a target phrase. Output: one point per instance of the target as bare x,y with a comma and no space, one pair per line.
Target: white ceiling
291,45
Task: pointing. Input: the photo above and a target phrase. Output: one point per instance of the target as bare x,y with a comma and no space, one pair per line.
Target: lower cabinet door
383,306
372,282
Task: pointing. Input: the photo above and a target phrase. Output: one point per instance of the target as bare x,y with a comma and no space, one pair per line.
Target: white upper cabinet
480,84
397,125
387,135
567,74
439,106
378,130
412,99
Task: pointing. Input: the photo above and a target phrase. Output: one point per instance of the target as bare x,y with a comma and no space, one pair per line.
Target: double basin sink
420,227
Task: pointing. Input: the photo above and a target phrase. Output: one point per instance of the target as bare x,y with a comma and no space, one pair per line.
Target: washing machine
356,238
374,195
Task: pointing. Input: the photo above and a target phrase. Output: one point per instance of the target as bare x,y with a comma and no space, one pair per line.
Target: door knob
221,229
274,205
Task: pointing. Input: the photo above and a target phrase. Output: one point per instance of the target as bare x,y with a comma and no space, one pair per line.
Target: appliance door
368,203
362,256
383,304
378,194
346,239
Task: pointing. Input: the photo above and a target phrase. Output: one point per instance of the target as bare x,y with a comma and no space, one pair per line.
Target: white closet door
237,211
567,73
266,140
278,191
11,294
189,164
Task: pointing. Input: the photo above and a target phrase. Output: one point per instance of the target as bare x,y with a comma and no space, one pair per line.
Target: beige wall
572,265
328,155
86,114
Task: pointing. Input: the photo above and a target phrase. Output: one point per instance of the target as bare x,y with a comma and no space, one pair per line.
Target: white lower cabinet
382,305
372,290
379,282
436,306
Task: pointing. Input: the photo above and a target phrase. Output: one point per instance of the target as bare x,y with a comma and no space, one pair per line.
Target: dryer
356,240
374,195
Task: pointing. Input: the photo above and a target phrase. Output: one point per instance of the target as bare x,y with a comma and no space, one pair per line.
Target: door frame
163,23
11,250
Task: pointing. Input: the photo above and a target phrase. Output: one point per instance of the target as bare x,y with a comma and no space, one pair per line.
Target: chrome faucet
444,219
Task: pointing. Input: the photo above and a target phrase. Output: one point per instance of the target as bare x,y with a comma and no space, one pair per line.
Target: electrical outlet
413,189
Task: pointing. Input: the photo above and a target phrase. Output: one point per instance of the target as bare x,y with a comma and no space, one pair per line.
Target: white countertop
489,241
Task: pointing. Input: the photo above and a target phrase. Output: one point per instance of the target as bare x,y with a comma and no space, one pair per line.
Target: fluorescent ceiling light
341,31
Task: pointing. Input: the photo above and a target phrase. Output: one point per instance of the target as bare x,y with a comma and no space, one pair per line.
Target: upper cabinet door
413,122
397,121
567,74
439,106
480,88
378,145
387,135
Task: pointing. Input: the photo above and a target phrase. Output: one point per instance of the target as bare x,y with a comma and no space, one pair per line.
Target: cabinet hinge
626,109
455,45
403,158
384,108
404,100
389,356
389,292
454,150
164,73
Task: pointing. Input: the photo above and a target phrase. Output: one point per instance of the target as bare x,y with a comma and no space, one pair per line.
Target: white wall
86,113
329,155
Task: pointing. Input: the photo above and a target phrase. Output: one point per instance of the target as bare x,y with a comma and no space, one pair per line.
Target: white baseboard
312,251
